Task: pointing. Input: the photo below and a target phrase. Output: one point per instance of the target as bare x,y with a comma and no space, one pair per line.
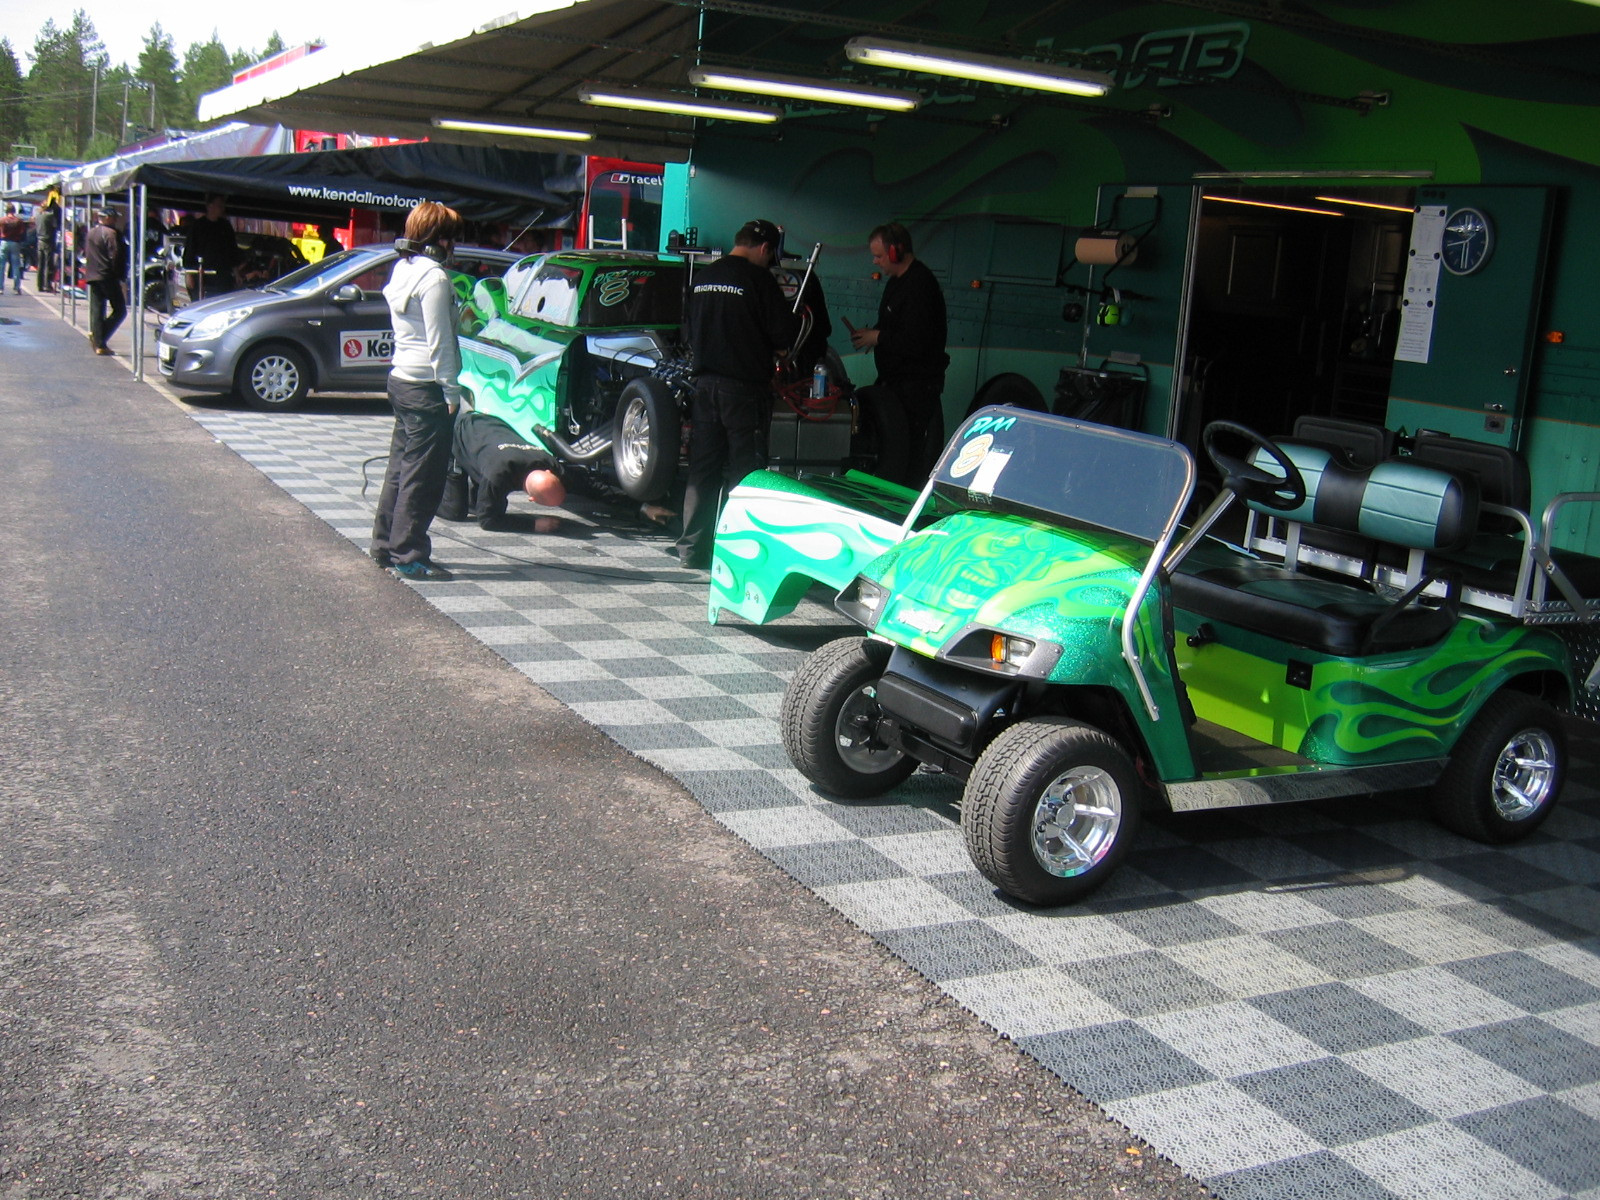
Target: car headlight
1008,651
988,649
862,601
218,324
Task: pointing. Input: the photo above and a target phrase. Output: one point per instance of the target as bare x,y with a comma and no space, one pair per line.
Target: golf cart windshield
1092,475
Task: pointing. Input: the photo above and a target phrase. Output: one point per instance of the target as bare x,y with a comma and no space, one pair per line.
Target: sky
123,26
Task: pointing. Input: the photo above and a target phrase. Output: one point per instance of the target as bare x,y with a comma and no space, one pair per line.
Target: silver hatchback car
324,327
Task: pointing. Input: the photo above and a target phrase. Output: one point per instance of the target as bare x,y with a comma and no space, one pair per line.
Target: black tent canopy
483,183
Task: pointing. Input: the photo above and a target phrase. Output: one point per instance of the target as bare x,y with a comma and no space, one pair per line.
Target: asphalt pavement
306,893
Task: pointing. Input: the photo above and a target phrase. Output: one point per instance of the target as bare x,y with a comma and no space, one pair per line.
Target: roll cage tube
1160,538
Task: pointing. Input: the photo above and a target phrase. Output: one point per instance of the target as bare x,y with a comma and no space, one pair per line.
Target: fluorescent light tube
666,102
565,135
794,88
985,68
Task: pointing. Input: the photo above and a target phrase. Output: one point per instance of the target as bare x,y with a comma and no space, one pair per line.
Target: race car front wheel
829,721
273,378
1506,773
1050,810
648,435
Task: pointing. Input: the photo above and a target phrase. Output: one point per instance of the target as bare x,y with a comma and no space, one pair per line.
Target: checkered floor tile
1331,1001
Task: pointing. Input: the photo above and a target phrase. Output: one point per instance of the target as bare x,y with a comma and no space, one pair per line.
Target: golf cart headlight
862,601
218,324
1008,651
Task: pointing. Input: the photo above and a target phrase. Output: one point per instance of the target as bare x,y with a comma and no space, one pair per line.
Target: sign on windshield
1129,483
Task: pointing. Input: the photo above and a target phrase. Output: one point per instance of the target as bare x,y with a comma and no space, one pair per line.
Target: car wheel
829,721
273,378
644,449
1506,773
1050,810
882,444
1011,389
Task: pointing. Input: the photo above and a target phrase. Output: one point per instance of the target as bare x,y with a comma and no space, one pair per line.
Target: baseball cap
765,233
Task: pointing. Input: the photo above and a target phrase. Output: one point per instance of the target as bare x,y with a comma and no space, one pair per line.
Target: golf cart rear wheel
1506,773
274,378
1050,810
829,721
649,432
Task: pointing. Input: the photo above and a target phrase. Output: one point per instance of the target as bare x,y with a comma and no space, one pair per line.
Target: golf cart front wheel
829,721
1506,773
1050,810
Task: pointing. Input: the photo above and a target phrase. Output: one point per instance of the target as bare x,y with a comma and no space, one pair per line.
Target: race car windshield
311,276
1114,479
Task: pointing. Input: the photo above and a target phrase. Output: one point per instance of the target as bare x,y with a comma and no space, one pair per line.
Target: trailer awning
483,183
517,72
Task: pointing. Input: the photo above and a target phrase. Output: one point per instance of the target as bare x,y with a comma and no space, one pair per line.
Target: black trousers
727,440
923,402
419,455
104,293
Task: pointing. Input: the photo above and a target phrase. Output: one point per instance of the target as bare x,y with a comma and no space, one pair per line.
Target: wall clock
1468,239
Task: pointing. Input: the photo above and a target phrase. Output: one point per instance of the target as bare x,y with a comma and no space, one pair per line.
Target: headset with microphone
429,249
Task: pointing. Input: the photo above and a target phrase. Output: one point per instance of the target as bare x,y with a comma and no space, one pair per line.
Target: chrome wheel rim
1524,775
853,734
275,379
633,440
1076,821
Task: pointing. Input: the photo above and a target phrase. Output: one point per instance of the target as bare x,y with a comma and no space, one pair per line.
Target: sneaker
104,350
420,571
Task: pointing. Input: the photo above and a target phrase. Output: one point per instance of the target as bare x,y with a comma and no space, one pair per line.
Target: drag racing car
1038,624
579,351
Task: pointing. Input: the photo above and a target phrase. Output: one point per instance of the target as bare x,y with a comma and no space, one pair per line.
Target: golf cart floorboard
1219,749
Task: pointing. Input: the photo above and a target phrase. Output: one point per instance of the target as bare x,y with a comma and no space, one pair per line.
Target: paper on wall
1419,299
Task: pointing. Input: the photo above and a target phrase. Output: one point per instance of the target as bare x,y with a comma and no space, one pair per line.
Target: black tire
1506,773
1011,389
155,295
882,444
827,720
647,437
273,378
1007,812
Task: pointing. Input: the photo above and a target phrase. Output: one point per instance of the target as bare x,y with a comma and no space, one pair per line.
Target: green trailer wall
997,185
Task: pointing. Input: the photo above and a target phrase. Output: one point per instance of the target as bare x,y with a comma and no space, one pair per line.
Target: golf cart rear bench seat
1418,510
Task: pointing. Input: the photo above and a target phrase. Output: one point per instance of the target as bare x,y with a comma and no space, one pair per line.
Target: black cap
763,233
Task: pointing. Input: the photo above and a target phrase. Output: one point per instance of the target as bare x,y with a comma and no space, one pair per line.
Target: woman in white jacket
422,391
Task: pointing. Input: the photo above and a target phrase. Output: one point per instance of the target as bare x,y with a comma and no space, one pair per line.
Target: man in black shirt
908,341
211,256
737,321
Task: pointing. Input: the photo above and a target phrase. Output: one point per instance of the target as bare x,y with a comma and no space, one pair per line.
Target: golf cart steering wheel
1283,493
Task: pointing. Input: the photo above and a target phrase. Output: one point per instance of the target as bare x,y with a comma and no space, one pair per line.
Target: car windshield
1013,459
551,295
313,276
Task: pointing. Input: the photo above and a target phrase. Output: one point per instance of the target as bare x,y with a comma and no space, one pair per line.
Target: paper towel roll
1101,249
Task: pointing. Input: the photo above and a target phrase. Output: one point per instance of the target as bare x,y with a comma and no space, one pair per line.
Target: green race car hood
1009,573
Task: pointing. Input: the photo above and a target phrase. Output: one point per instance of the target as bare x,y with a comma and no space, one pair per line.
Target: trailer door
1474,382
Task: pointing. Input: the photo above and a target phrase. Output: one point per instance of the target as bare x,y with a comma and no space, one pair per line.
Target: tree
63,87
13,95
206,67
158,69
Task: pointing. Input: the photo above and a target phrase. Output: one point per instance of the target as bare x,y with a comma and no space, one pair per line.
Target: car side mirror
346,293
489,298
